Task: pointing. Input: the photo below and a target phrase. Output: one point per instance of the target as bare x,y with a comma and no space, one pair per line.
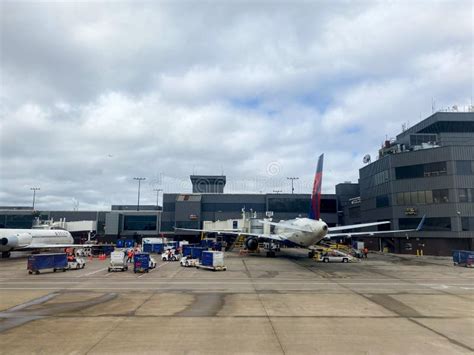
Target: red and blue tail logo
315,211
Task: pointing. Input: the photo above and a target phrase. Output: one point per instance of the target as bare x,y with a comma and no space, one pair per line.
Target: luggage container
187,249
118,261
153,248
102,249
154,240
207,243
171,245
212,260
147,247
463,258
141,262
196,252
120,243
129,244
37,262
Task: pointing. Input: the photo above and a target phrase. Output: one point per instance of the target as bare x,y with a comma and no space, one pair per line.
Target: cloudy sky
96,93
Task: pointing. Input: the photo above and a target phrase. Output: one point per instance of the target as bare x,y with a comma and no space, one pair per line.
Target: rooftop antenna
433,105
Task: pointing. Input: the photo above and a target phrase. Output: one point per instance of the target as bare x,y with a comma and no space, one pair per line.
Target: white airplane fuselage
318,228
18,239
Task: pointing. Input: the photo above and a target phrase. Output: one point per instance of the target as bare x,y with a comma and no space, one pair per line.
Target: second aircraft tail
315,211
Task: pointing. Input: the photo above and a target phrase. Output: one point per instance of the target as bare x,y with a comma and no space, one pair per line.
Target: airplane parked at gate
305,232
33,239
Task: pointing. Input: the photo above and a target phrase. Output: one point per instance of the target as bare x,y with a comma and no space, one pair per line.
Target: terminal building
427,170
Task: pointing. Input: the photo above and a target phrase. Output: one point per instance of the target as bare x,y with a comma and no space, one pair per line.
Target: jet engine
251,243
16,241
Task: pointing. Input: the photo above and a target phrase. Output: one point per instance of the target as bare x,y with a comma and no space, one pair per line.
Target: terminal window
422,197
467,224
139,223
382,201
464,167
431,224
418,139
381,177
420,170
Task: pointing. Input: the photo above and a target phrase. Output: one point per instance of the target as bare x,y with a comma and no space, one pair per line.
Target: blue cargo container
158,248
120,243
206,258
129,244
196,252
141,262
212,258
463,257
102,249
187,249
39,262
207,243
153,248
147,247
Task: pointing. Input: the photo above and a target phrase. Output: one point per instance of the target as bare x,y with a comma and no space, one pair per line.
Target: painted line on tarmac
93,272
225,282
151,270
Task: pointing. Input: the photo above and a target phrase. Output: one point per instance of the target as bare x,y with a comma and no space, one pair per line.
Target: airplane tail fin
315,211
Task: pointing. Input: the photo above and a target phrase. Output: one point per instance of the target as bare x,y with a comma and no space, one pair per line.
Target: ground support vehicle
118,261
141,262
76,263
55,261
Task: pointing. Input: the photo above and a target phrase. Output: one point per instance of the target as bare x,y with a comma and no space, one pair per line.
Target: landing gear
270,254
5,254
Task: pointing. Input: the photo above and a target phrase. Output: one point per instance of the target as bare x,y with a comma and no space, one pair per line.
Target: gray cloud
93,94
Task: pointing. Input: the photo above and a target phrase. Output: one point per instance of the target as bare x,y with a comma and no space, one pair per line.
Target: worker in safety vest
130,255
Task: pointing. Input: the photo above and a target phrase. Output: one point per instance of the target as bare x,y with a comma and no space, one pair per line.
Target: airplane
305,232
33,239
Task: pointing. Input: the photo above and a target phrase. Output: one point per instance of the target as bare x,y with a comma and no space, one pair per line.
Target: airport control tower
208,184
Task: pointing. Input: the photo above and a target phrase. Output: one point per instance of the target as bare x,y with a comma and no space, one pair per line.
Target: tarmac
290,304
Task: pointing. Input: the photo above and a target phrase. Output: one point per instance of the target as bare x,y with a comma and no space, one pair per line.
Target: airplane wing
47,246
356,226
287,226
275,237
372,233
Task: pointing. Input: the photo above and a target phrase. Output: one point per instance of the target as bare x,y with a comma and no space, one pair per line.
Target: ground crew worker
130,255
366,251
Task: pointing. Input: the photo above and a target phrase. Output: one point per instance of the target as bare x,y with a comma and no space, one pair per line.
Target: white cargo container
154,240
118,261
212,260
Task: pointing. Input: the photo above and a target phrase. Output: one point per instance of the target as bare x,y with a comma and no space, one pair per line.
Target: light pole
160,212
34,189
139,181
292,180
157,195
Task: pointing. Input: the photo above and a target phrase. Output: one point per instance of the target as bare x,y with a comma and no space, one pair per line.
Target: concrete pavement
288,304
